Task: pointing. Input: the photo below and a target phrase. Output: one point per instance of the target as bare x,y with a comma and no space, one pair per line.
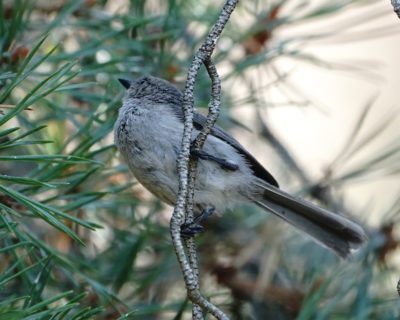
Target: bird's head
152,89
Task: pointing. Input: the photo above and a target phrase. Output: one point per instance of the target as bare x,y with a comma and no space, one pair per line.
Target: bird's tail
329,229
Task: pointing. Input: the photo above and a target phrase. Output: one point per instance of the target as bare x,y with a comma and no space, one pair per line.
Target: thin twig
197,144
190,274
197,312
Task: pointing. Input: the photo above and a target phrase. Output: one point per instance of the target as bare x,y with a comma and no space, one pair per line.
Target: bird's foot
224,164
189,230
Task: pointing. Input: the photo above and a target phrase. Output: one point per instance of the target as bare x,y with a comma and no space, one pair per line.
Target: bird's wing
259,171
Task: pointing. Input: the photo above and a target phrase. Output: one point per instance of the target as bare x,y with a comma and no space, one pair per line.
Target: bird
148,133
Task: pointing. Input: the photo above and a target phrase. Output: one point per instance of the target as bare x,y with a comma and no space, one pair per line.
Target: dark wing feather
259,171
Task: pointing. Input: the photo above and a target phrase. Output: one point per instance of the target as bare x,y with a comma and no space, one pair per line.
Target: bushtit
148,134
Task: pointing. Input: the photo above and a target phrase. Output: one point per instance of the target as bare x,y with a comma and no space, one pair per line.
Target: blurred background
309,87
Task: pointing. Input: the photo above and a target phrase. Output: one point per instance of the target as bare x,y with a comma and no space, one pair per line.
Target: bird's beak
125,83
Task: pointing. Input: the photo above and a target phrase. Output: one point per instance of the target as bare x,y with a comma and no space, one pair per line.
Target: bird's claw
193,228
224,164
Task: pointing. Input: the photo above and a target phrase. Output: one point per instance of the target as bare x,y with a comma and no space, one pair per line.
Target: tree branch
198,143
187,172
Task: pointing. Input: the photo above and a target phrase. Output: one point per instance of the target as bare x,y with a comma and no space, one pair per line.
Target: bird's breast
149,140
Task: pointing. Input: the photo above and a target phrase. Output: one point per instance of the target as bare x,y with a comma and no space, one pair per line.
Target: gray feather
329,229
